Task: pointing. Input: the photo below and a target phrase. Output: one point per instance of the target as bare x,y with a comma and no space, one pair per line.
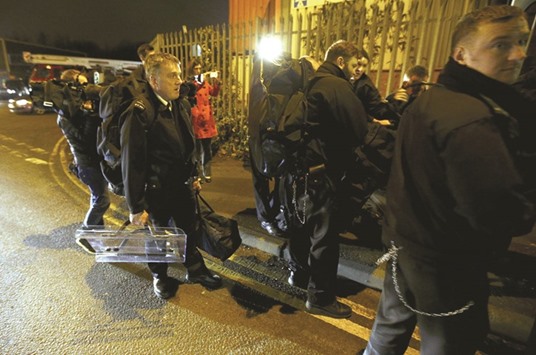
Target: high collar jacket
454,192
336,119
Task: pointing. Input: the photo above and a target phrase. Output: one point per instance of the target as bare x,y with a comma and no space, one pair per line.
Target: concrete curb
510,324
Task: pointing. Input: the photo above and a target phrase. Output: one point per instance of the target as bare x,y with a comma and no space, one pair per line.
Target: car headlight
22,102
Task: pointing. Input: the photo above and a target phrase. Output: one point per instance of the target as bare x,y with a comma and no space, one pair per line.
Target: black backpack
65,98
277,115
114,101
375,155
363,204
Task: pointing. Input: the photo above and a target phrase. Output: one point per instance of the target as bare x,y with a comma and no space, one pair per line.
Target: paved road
56,299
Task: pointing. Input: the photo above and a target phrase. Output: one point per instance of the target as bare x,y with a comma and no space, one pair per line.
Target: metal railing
397,34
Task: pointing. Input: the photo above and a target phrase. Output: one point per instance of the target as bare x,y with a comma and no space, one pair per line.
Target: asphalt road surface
55,299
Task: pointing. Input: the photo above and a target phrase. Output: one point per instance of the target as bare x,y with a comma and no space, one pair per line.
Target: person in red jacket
206,85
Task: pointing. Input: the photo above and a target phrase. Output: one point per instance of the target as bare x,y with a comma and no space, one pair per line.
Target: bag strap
199,197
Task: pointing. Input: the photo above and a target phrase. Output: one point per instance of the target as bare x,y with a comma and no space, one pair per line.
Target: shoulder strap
135,84
142,104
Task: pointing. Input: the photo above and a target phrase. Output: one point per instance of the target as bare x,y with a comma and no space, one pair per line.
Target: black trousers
175,205
431,286
314,246
267,202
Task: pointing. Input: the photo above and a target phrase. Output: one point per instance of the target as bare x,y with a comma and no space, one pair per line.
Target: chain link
301,218
392,254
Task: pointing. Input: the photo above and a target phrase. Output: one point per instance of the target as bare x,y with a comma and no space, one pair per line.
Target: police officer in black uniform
456,194
337,125
158,167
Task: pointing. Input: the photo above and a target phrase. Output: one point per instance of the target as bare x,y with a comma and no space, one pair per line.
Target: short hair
70,75
417,70
341,48
144,50
362,53
154,62
193,63
470,22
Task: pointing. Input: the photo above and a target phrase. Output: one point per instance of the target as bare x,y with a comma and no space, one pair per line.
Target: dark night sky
106,22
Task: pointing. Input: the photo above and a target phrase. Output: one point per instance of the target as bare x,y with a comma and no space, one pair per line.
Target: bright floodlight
270,48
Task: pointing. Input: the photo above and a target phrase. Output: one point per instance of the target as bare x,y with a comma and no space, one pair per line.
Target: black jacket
527,130
337,121
79,125
454,192
375,106
157,149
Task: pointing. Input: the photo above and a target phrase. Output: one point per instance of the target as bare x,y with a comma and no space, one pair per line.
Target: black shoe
334,310
74,169
164,287
271,228
85,245
205,278
298,279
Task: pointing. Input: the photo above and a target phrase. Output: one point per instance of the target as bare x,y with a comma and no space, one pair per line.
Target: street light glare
270,48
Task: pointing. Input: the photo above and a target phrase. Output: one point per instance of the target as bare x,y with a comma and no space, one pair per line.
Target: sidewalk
512,304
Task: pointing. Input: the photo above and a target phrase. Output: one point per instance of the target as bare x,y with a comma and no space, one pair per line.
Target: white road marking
36,161
356,329
23,155
39,151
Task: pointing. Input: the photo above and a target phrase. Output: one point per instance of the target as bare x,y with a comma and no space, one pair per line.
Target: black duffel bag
216,234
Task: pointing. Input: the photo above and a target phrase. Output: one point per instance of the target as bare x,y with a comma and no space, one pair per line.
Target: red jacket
202,115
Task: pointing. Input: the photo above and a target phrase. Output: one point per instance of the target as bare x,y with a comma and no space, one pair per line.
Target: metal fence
396,33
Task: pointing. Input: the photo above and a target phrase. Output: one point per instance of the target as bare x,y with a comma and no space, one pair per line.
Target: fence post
394,52
232,46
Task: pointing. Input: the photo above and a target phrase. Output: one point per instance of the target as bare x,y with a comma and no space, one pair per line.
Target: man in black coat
415,82
158,167
337,125
375,106
455,196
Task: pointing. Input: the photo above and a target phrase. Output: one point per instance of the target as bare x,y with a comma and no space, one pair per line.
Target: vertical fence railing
397,34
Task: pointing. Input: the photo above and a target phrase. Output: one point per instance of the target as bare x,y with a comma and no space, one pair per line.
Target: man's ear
459,55
340,62
152,81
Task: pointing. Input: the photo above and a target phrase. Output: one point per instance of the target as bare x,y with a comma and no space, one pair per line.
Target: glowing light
22,102
270,48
